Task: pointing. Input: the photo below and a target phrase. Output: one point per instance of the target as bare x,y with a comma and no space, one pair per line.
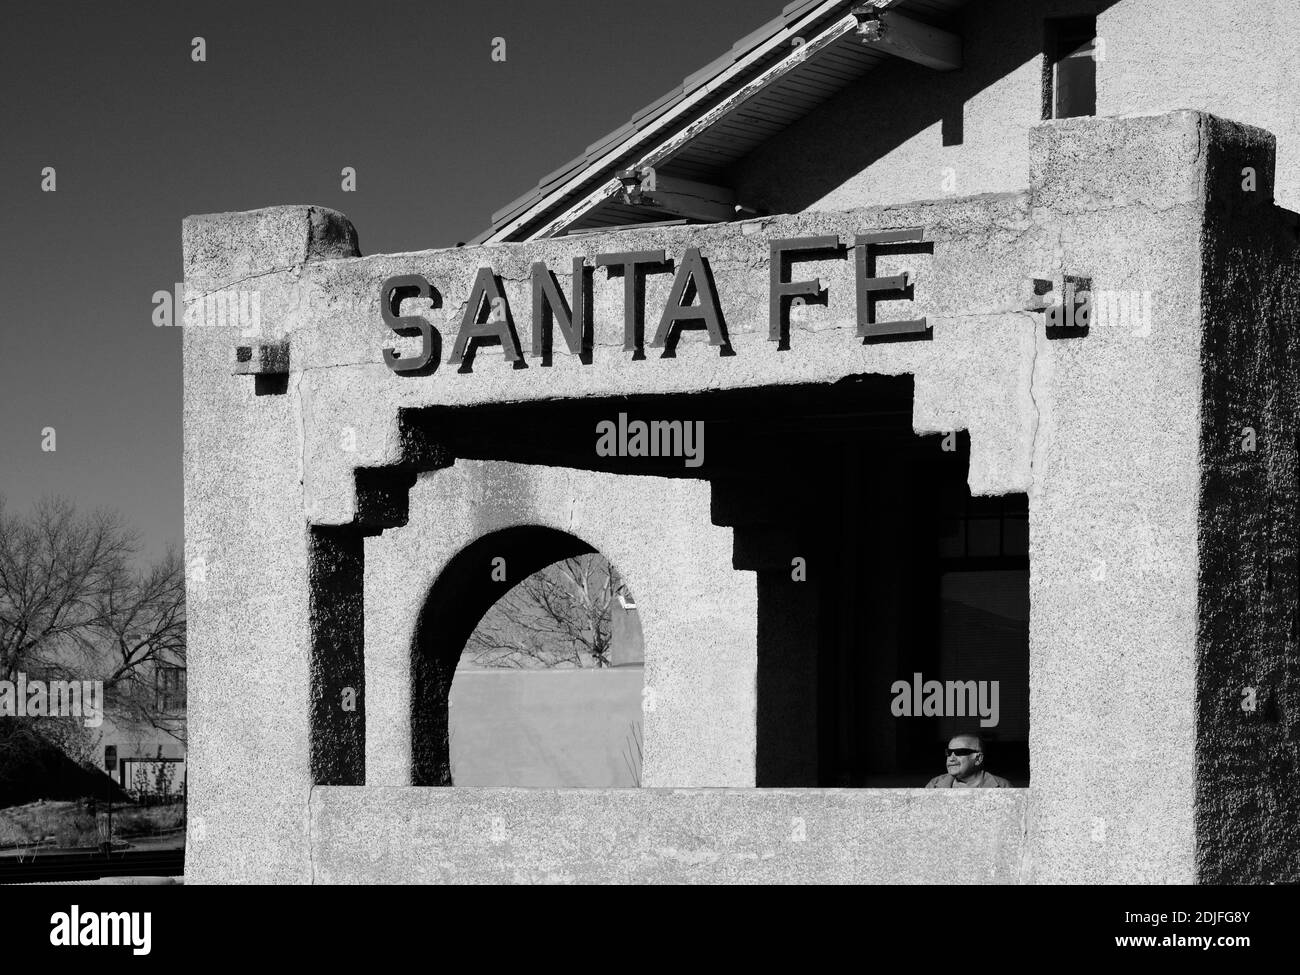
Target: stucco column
1112,511
246,552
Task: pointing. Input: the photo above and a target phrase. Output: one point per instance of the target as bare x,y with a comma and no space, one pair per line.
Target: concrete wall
698,617
246,602
1103,432
1248,733
665,836
1112,518
882,140
1235,60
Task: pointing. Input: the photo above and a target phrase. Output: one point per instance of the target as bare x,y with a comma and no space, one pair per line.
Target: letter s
391,293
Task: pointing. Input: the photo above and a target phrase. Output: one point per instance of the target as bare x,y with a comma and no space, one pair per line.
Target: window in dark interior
1070,68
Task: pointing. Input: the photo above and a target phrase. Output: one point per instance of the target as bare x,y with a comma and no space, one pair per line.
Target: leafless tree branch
73,607
558,616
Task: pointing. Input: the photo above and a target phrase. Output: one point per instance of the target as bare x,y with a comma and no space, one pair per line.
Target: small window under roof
1070,68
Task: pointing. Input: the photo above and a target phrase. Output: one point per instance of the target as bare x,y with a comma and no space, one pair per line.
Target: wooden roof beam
903,37
685,197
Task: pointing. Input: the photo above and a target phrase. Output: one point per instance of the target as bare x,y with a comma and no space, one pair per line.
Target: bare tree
73,608
143,633
559,616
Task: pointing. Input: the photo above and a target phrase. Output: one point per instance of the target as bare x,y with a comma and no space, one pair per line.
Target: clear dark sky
140,136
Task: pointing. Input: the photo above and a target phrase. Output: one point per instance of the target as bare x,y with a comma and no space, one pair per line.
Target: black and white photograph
672,443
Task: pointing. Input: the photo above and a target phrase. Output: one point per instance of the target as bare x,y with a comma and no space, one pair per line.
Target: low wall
432,835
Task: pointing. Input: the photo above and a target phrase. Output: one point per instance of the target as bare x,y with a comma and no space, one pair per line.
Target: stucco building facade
928,279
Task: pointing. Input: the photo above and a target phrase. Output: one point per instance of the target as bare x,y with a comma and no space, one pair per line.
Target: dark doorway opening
873,565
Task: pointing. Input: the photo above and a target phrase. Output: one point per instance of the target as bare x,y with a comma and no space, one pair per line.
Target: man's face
964,757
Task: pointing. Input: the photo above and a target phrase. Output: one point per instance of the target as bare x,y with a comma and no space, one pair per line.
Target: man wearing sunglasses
965,755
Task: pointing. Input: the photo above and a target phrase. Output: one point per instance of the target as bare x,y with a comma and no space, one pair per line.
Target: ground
71,824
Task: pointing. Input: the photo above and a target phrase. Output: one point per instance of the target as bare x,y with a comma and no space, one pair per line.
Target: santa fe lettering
693,302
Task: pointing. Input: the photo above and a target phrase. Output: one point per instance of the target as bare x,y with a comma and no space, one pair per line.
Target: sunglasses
963,752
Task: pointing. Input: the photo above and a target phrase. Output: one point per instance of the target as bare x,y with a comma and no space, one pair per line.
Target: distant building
143,746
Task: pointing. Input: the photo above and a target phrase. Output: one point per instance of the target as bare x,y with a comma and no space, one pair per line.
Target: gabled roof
769,79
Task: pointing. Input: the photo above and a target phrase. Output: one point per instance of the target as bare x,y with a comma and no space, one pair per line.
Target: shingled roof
769,79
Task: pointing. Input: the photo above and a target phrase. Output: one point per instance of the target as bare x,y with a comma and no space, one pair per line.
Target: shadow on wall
832,148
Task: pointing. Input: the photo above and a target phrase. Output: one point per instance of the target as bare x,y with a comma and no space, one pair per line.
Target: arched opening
547,693
527,668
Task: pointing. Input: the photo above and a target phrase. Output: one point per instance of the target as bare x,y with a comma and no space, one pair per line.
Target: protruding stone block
223,248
